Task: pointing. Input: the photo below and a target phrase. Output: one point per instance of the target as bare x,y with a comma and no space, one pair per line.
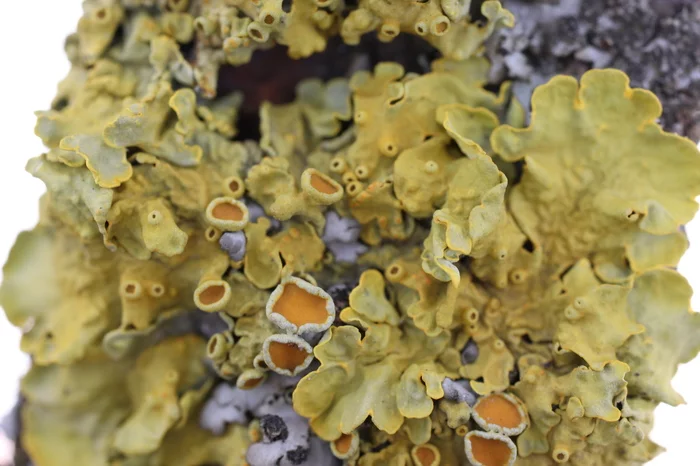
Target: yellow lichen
576,141
346,446
468,221
162,379
357,384
491,281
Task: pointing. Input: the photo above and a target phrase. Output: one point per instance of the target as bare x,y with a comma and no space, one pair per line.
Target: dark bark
12,426
656,42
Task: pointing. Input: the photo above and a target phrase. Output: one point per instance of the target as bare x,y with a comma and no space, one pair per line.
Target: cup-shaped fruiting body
258,32
156,290
354,188
131,289
287,354
212,295
227,214
425,455
259,362
560,455
389,30
234,186
361,172
439,25
320,188
489,449
338,165
250,379
270,17
501,412
395,272
218,346
471,316
212,234
348,177
388,147
421,28
297,306
142,301
346,446
205,26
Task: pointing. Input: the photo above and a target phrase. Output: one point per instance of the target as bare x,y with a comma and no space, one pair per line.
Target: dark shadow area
272,75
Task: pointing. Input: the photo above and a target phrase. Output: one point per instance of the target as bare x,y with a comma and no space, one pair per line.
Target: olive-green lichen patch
107,164
283,197
660,301
421,174
191,444
97,28
73,411
467,221
63,315
394,112
595,325
595,392
394,271
74,198
584,153
163,384
489,372
368,303
358,382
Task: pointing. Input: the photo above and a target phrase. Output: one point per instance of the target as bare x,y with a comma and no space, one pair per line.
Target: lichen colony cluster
393,267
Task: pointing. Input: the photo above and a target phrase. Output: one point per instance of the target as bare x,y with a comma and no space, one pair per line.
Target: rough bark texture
656,42
11,425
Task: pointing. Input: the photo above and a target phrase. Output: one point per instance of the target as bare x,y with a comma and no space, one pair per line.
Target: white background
32,62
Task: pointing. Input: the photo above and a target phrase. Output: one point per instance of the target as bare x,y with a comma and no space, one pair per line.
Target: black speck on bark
298,455
274,428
